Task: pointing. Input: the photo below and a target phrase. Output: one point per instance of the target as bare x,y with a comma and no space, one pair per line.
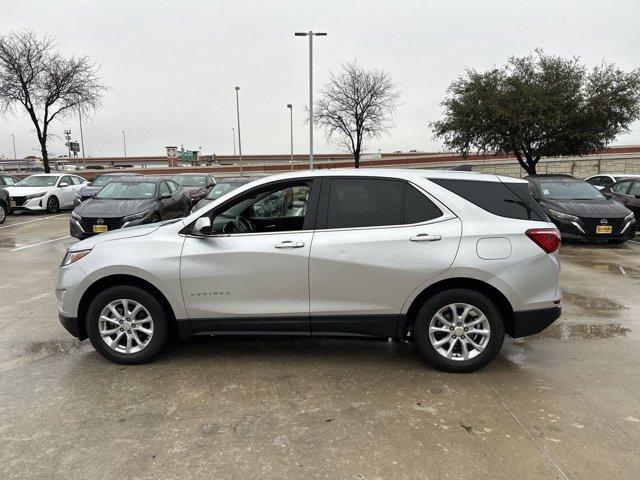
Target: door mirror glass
202,226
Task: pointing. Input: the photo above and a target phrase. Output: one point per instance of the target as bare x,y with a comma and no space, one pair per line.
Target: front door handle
288,244
425,237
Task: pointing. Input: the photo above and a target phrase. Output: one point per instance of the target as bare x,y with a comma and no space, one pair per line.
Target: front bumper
77,230
530,322
33,204
72,325
578,231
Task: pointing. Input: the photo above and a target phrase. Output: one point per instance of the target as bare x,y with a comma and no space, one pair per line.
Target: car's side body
324,280
627,191
40,198
604,180
4,204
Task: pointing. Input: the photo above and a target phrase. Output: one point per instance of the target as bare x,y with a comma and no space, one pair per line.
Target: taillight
548,239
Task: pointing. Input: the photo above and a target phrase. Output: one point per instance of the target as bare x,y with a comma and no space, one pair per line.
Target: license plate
103,228
604,229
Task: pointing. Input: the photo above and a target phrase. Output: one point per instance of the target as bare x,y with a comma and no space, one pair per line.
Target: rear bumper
72,326
530,322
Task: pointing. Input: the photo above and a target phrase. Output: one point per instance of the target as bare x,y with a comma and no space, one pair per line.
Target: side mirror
89,184
202,226
63,184
164,197
607,194
637,195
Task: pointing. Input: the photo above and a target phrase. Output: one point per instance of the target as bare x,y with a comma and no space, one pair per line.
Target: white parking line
634,241
31,221
39,243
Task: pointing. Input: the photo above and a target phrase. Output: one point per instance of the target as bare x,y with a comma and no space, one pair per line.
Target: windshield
119,190
102,180
37,181
220,189
570,190
190,180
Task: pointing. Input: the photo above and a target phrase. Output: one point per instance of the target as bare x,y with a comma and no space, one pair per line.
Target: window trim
309,220
323,207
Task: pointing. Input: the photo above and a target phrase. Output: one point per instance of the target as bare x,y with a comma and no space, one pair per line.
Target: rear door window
364,202
417,206
511,200
635,189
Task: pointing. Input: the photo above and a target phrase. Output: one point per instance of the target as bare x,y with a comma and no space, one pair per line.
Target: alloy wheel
459,331
126,326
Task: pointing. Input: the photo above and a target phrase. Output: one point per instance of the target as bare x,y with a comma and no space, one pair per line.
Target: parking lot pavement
562,404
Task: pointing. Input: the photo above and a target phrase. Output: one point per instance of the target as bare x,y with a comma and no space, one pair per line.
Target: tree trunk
45,156
356,158
528,164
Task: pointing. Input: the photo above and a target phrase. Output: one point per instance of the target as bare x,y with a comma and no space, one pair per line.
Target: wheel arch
490,291
120,280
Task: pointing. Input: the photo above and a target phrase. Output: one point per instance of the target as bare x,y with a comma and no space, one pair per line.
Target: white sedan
45,191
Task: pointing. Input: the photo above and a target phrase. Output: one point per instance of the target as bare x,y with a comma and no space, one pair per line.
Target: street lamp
124,143
290,107
233,131
15,155
310,34
239,140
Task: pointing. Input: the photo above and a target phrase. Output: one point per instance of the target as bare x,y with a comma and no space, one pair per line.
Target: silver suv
449,260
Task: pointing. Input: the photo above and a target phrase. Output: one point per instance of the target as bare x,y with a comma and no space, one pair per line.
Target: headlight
136,216
75,215
629,217
72,257
563,216
36,195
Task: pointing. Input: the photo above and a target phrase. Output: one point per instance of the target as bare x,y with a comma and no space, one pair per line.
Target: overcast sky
172,65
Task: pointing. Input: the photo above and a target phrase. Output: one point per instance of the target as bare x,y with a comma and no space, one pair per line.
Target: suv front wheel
459,330
127,325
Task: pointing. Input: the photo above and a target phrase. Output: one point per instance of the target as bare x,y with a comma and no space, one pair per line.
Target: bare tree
356,105
46,84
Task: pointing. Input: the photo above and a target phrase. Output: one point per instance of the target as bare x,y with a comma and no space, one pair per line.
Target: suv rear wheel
127,325
459,330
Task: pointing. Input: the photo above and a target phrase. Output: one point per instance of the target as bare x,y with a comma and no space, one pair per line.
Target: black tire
160,324
53,205
442,299
4,212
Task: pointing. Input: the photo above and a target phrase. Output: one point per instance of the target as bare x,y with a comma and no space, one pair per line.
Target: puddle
595,304
56,347
568,331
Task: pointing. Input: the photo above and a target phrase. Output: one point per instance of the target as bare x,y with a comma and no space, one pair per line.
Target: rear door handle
288,244
425,237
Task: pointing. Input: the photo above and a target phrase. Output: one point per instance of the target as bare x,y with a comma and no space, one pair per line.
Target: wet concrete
562,404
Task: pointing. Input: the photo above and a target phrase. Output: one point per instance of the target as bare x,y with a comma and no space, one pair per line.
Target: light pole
239,138
290,107
310,34
233,131
84,159
124,143
15,155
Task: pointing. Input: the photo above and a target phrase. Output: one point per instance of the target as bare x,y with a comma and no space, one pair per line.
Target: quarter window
355,202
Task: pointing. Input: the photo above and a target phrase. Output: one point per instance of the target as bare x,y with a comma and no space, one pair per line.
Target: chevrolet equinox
452,261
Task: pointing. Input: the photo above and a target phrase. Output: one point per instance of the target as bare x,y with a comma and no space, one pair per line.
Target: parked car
222,188
8,180
603,180
127,202
628,193
45,191
4,204
197,186
451,260
93,187
580,211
